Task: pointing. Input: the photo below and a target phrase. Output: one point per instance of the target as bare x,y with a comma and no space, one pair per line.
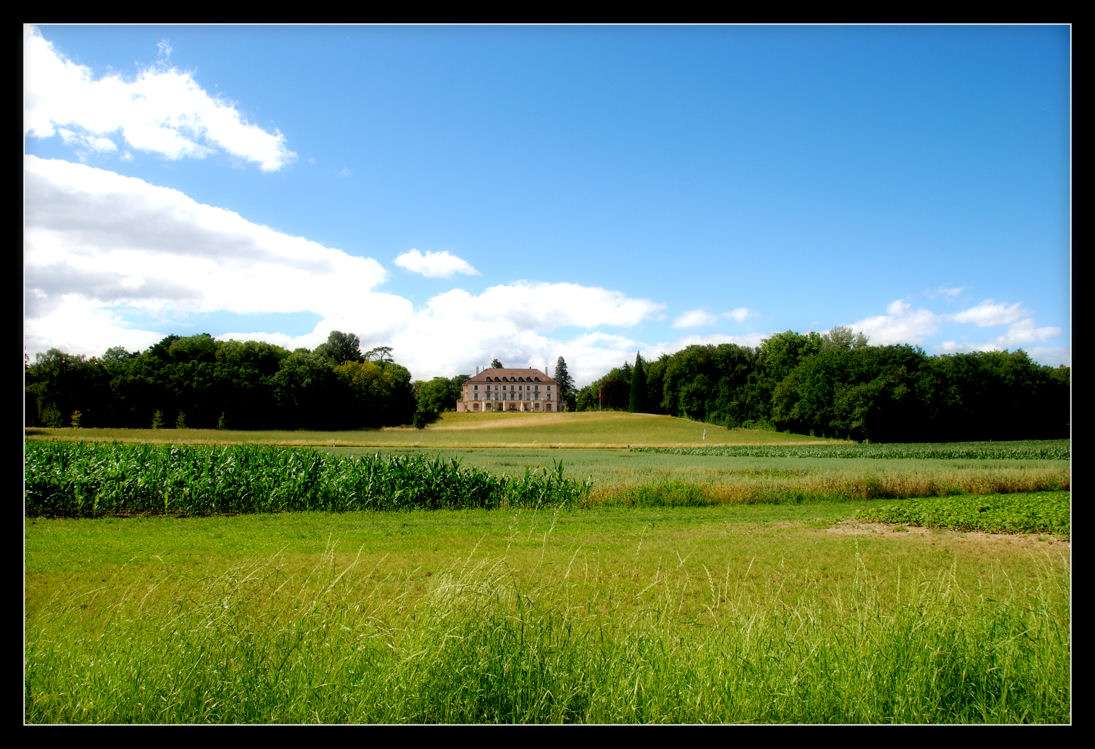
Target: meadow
607,429
661,596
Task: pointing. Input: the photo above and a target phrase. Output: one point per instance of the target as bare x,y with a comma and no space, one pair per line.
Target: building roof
512,375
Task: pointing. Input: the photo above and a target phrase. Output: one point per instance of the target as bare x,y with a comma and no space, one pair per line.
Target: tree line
836,385
196,381
830,385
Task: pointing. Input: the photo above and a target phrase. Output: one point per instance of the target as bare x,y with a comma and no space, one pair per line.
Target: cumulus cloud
696,318
538,305
903,324
520,324
160,110
740,314
116,244
1025,332
900,324
1020,334
434,264
989,313
70,323
106,257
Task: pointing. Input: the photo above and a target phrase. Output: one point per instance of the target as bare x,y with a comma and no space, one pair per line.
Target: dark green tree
436,395
842,337
586,399
565,383
306,392
57,384
495,364
379,354
341,348
613,392
637,403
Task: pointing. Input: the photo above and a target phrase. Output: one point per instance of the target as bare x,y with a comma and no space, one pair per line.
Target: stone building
510,390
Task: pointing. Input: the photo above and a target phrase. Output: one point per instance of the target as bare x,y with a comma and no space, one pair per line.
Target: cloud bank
104,254
112,260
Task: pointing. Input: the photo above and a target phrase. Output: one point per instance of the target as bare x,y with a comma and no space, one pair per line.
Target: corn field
83,479
1014,450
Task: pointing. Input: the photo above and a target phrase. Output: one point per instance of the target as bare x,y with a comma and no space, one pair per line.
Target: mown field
709,587
477,430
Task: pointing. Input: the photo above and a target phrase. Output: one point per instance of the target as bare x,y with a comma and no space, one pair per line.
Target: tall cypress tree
565,384
637,403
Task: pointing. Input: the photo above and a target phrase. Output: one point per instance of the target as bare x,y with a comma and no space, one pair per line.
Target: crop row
1044,512
1017,450
85,479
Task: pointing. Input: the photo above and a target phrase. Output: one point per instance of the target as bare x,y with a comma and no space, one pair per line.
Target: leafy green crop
1018,450
1041,512
84,479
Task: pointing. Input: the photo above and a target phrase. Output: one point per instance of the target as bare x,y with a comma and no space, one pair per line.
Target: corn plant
80,479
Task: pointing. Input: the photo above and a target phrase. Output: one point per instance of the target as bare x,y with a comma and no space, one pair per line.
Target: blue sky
525,192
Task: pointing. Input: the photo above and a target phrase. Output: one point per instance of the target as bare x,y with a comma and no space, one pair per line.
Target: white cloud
989,313
434,264
1023,332
160,109
537,305
118,245
698,318
740,314
107,257
457,331
903,324
900,324
948,291
695,318
94,329
1051,355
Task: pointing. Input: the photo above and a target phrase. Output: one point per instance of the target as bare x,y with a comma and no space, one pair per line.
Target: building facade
510,390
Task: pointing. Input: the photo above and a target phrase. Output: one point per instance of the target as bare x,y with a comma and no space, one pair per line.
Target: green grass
707,587
762,614
586,429
616,474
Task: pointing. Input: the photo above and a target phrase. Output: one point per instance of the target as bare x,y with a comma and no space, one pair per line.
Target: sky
462,193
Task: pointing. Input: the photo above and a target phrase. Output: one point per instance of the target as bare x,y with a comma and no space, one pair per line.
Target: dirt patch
854,527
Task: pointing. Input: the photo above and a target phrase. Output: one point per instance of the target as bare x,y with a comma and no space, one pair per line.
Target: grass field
825,607
784,614
600,429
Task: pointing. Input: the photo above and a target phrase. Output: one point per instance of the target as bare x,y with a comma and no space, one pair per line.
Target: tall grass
263,643
85,479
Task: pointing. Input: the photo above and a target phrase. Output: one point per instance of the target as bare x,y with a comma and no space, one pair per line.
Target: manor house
510,390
